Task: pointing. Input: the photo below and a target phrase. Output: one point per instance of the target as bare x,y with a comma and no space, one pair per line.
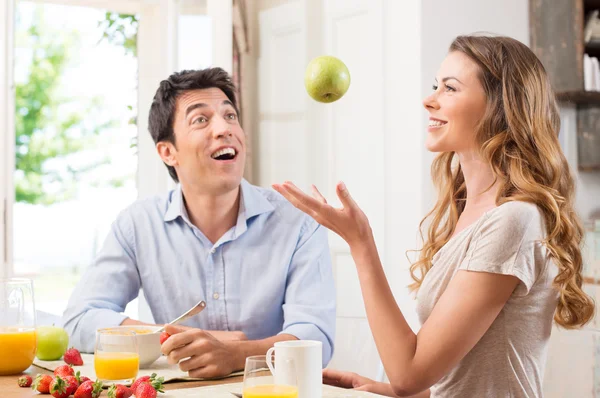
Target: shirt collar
176,207
252,203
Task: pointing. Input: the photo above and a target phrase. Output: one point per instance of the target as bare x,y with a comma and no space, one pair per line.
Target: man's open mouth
227,153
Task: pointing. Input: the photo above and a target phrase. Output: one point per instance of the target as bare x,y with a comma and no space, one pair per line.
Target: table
10,389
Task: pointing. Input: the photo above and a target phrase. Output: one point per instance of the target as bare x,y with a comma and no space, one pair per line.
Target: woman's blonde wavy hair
518,136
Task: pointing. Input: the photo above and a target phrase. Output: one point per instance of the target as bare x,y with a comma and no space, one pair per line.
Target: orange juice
17,349
116,365
270,391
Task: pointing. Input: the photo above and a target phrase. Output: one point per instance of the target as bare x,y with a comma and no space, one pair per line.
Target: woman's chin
433,146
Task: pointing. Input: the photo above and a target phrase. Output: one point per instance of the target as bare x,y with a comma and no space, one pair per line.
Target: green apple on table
52,342
326,79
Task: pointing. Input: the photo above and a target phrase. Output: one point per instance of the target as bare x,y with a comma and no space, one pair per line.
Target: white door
283,142
307,142
356,153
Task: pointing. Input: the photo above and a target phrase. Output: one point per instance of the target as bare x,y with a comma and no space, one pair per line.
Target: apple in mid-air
52,342
326,79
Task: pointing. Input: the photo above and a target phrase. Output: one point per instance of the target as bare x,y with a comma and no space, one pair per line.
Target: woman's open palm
349,222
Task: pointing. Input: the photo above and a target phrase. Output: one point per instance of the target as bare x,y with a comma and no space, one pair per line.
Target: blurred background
77,78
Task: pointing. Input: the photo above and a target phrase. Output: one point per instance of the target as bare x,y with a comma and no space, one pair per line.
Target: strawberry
119,391
59,388
141,390
141,380
24,381
64,370
42,383
80,379
83,379
73,357
72,384
163,337
145,390
89,389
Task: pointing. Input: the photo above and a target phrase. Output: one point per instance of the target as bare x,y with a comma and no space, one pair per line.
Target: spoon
195,310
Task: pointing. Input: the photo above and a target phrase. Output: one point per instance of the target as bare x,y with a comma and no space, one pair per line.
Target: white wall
404,145
444,20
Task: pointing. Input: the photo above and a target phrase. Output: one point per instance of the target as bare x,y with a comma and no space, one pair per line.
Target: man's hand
228,335
199,352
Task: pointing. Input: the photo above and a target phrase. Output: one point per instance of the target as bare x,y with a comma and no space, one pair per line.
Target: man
262,267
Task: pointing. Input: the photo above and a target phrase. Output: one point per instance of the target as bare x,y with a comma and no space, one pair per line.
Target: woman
502,255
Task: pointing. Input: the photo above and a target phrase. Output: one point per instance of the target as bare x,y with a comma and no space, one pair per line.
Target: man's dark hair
162,111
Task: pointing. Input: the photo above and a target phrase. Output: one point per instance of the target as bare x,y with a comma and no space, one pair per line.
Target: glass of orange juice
116,357
17,325
259,382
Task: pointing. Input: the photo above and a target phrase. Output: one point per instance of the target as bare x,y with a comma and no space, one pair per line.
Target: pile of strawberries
66,382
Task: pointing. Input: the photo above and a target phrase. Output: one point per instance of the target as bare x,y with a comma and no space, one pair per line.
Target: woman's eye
231,116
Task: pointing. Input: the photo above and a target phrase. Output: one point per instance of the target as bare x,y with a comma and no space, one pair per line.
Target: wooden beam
120,6
556,36
588,137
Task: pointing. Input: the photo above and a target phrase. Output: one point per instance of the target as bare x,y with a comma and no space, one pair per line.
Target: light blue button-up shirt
269,274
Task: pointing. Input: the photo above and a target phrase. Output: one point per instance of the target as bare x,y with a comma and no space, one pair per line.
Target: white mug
307,356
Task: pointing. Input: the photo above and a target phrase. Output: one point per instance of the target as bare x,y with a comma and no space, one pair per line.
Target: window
75,140
74,144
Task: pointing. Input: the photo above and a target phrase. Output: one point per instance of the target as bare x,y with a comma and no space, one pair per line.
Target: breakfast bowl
148,341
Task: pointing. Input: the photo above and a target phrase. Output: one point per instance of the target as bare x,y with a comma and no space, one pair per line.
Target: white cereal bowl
148,342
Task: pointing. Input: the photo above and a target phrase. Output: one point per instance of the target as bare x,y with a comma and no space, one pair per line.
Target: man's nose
221,128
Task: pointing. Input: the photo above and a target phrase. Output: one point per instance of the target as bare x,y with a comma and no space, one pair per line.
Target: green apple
326,79
52,342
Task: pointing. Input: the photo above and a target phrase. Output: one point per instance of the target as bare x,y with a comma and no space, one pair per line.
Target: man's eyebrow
203,105
195,106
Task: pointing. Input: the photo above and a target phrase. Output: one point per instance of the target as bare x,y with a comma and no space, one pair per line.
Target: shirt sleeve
506,243
105,289
309,306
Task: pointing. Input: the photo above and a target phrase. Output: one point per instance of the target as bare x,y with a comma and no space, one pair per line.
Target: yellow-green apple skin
326,79
52,342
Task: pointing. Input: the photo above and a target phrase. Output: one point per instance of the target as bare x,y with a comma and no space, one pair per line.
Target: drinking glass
260,383
17,325
116,356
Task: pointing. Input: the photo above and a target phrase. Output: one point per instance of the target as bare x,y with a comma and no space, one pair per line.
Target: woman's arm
460,318
387,390
357,382
463,314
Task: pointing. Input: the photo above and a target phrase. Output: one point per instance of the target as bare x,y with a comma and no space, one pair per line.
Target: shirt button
216,296
212,251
